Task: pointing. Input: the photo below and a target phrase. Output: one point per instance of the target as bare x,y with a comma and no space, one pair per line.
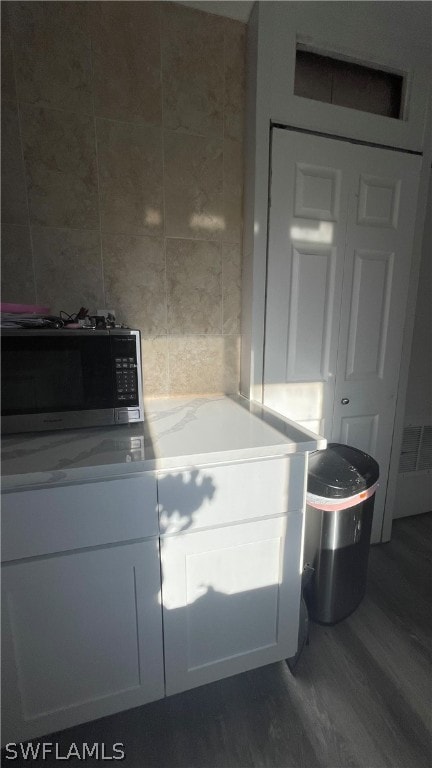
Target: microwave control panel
126,378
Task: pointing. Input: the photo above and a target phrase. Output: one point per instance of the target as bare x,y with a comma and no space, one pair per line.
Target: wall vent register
416,450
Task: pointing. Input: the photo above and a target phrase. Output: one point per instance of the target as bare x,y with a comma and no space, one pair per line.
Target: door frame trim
346,139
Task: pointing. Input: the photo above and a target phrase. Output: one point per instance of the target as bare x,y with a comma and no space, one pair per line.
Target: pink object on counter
27,309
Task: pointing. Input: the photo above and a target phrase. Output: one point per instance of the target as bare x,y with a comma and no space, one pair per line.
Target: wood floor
361,696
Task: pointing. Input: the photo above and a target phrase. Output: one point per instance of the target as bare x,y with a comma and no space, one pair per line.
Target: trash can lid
340,471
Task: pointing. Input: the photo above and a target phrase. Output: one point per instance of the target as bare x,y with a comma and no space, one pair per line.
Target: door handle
345,400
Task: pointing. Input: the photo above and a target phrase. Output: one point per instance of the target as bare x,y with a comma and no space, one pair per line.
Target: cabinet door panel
82,637
230,599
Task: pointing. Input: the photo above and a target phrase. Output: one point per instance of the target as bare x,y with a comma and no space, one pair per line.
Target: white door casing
340,238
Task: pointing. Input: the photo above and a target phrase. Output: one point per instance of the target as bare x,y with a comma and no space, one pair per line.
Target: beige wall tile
130,176
195,364
235,80
134,273
53,55
68,268
7,69
193,186
231,364
231,288
7,75
194,286
14,197
203,364
177,192
192,70
233,191
126,60
154,353
60,158
17,280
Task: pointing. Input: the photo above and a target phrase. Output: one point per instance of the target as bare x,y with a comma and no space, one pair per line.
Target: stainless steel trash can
340,499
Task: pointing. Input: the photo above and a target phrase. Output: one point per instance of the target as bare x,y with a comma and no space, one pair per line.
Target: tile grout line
97,163
223,172
106,118
23,165
162,129
126,234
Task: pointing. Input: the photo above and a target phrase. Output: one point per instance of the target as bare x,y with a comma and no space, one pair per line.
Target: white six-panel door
308,216
341,228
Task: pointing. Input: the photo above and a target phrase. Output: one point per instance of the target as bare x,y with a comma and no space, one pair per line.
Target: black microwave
61,379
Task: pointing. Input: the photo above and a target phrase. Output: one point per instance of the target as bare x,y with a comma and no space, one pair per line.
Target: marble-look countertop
178,432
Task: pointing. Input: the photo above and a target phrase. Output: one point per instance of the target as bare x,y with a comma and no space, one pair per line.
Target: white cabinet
82,595
81,613
230,599
231,569
81,637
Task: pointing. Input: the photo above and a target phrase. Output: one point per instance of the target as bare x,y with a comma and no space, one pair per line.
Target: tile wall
122,130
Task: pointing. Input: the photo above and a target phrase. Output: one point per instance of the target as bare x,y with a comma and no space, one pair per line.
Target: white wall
414,489
418,405
395,35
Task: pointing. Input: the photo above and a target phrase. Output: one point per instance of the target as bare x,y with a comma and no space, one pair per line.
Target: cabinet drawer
50,520
222,494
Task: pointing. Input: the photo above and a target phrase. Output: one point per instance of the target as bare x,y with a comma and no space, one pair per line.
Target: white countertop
178,432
